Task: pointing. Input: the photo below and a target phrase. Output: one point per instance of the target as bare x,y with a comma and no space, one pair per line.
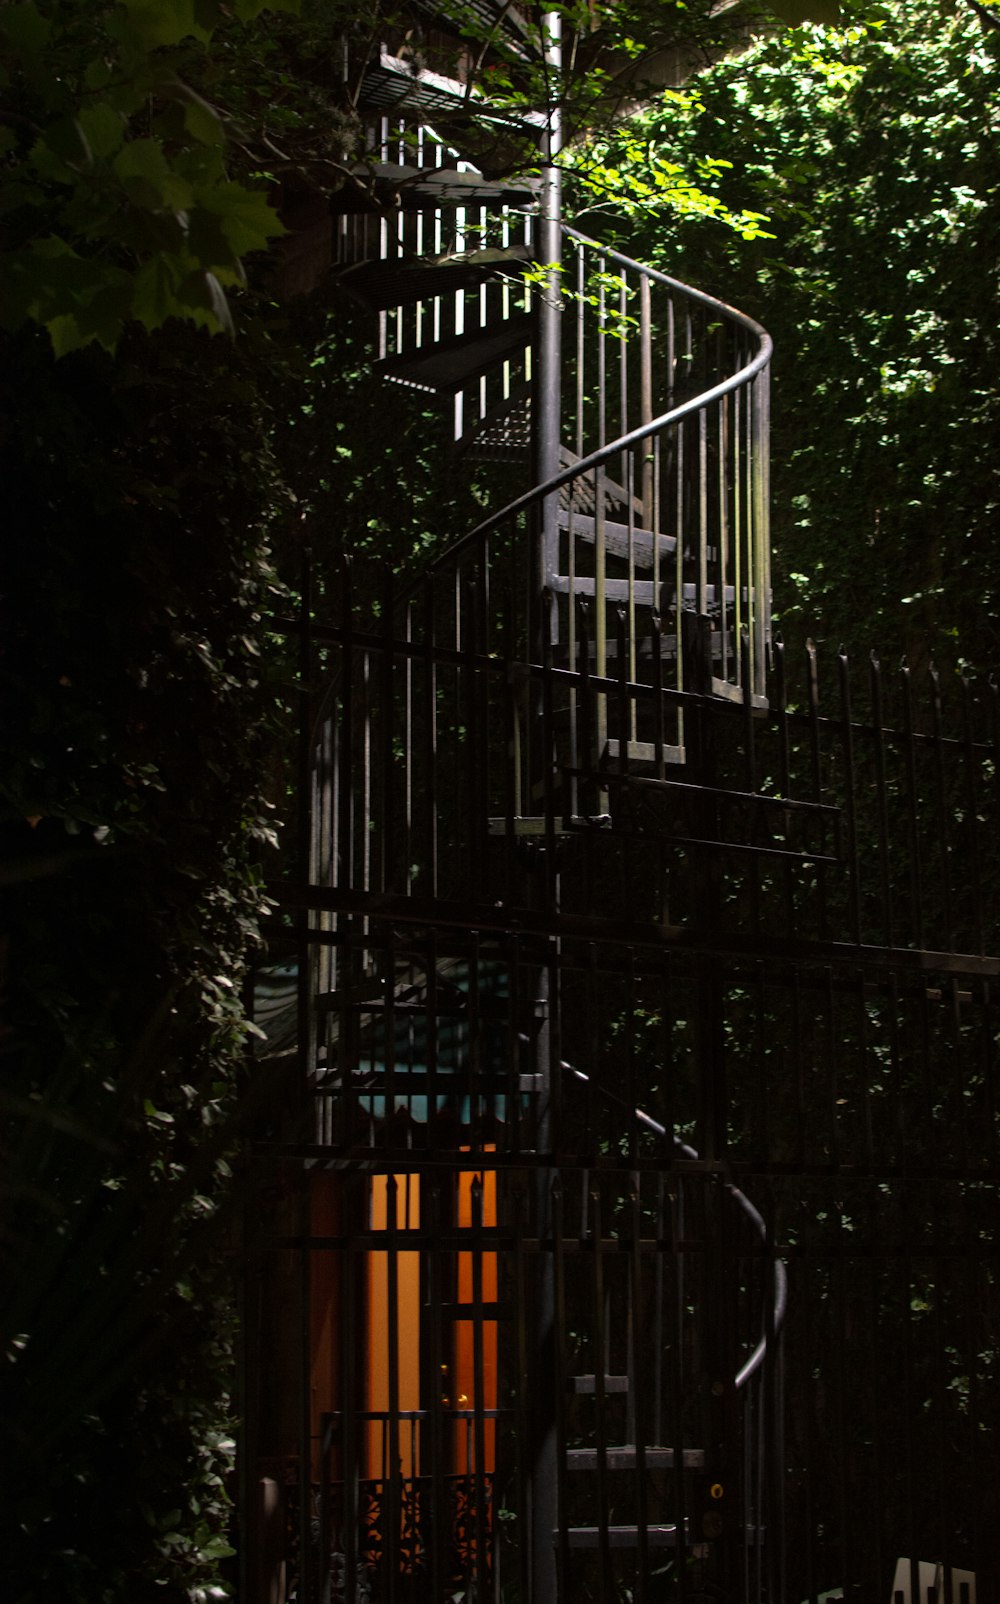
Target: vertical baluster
850,796
600,511
816,763
475,758
646,398
656,665
430,712
761,623
682,1343
882,795
435,1290
600,1351
624,710
474,1051
555,1502
385,824
729,662
909,742
735,489
970,766
481,1572
944,816
431,1040
548,773
354,1260
703,529
638,1349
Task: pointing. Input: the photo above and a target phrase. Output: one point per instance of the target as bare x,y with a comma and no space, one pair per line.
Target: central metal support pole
548,370
542,1404
547,410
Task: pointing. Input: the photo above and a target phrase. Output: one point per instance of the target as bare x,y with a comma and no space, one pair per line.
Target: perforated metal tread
392,185
619,540
626,1457
381,285
619,1536
504,434
450,364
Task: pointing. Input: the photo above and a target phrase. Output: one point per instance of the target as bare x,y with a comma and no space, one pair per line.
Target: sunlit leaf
103,127
149,24
202,121
248,220
66,334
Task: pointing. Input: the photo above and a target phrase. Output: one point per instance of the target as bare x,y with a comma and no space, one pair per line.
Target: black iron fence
607,1005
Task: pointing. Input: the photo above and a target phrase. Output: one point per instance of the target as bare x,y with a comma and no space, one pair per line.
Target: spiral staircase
525,1332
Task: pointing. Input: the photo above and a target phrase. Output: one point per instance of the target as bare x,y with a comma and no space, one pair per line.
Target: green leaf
202,121
202,164
58,272
248,220
98,74
149,24
103,128
203,292
66,334
207,240
23,27
142,168
147,177
101,319
217,1548
62,152
154,291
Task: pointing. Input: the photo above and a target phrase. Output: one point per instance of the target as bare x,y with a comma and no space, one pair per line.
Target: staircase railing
508,694
664,492
683,1150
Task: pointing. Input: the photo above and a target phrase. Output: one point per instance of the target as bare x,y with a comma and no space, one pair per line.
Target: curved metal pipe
625,442
753,1363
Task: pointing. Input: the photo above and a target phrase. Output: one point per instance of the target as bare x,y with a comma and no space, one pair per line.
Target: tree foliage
872,151
114,187
137,724
147,146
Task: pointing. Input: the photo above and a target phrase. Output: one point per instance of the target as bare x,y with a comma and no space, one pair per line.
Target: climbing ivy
139,711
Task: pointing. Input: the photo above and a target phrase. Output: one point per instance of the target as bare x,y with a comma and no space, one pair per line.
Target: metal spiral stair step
626,1457
374,185
503,434
641,591
445,367
401,83
581,493
642,752
619,539
492,14
620,1536
381,285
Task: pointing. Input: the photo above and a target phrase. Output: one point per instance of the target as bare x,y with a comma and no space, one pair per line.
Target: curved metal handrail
634,437
754,1361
